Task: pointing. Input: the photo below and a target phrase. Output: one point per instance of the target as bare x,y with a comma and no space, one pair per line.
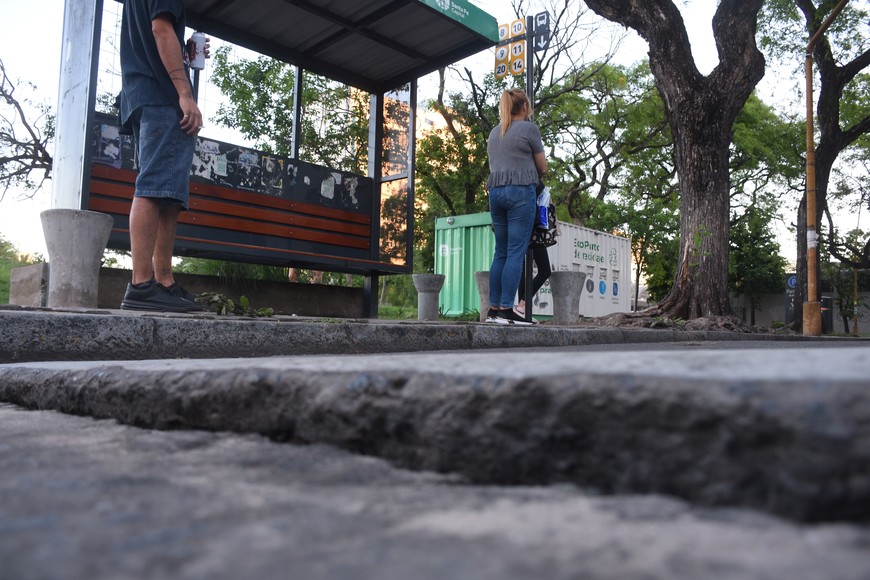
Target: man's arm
170,54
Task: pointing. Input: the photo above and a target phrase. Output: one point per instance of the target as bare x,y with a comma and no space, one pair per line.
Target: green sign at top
468,14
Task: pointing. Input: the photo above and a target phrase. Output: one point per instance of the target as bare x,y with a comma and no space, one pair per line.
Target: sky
30,38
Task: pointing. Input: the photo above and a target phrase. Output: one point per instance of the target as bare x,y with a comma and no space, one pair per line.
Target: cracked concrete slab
781,430
84,498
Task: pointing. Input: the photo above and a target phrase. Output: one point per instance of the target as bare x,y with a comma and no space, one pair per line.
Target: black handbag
546,238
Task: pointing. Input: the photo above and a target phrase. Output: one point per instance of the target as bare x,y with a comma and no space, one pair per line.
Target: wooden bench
230,224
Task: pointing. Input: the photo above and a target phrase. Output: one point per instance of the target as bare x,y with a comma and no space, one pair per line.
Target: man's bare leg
144,220
165,244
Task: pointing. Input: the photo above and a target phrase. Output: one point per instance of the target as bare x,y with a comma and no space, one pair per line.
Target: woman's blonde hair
512,102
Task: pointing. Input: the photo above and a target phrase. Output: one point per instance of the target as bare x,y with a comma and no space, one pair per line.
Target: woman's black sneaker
510,317
151,296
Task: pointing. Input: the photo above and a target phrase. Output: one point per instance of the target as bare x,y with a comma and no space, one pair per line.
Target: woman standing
516,164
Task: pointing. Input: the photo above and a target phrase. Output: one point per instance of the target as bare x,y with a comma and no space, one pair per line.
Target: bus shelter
250,206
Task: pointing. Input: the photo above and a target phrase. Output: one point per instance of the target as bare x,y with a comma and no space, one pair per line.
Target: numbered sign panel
510,57
518,57
502,60
518,27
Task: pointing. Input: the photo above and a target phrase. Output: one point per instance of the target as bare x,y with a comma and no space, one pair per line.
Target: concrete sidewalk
86,499
533,452
45,334
785,430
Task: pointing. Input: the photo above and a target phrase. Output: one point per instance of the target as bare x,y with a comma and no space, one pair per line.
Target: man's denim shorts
165,154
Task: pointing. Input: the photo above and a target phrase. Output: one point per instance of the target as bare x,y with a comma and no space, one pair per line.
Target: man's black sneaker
492,315
153,297
510,317
178,290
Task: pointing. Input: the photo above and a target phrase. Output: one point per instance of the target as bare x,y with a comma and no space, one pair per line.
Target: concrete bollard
482,281
566,287
428,286
75,240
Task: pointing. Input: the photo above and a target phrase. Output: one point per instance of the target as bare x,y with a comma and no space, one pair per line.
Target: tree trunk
701,284
701,111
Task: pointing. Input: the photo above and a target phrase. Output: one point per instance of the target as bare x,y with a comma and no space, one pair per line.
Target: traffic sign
541,37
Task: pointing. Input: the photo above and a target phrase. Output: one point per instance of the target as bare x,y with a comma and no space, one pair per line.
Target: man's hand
191,49
191,117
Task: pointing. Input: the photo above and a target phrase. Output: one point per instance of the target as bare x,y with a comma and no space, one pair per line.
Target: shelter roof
375,45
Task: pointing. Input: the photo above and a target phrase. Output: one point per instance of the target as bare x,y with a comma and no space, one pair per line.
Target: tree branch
22,157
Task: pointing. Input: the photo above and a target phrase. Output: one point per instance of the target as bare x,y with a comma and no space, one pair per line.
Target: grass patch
386,312
9,260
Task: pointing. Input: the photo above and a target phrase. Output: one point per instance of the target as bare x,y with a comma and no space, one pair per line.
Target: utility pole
812,319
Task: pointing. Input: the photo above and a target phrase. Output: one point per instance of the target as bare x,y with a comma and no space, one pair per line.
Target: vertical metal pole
530,61
297,113
412,159
376,155
196,85
530,91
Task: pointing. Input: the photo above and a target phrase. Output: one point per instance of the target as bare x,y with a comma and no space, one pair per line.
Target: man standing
157,103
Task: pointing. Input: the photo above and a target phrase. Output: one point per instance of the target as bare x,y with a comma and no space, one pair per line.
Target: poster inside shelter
246,169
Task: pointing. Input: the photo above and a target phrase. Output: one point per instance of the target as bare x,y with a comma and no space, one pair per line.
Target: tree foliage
607,135
755,266
260,95
451,158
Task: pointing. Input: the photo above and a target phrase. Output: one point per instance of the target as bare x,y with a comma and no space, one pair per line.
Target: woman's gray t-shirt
511,160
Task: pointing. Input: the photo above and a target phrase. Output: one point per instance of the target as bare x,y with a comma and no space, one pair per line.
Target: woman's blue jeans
512,208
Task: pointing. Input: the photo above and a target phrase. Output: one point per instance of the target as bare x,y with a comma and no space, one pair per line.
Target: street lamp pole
812,310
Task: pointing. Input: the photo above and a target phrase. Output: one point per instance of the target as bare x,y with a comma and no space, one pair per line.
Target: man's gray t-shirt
511,160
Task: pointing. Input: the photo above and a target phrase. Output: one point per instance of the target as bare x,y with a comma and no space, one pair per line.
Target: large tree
700,111
842,117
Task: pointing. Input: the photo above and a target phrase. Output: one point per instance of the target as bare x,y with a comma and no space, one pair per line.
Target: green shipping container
464,245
